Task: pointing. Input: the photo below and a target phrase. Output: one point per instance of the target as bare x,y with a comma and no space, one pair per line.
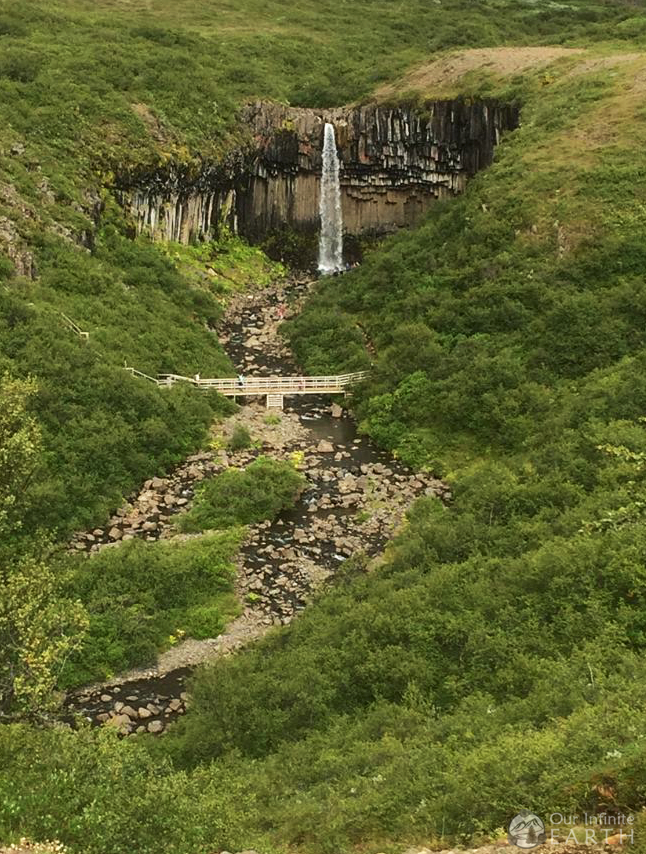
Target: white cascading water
331,238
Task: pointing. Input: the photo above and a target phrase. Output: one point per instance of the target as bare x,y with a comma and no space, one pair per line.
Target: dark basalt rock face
395,162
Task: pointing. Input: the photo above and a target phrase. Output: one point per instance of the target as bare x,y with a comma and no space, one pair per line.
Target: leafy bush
240,438
104,795
39,625
19,65
139,594
241,497
468,675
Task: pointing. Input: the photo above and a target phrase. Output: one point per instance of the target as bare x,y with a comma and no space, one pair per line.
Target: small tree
38,630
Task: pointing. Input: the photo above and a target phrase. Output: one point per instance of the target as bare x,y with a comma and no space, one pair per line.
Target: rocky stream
355,498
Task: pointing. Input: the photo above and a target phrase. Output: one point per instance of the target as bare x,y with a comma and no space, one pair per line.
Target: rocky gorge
355,498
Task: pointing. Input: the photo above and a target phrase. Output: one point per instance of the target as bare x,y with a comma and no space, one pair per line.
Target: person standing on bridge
241,380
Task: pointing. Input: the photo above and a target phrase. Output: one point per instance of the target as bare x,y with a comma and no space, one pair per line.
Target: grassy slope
509,298
87,89
105,431
90,88
478,670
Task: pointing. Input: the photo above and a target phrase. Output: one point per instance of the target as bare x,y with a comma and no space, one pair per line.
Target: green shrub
242,497
240,438
138,594
104,795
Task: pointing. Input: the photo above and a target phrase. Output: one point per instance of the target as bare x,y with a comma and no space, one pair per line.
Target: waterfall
331,239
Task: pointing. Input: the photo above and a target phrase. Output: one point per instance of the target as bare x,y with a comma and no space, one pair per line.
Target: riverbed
356,496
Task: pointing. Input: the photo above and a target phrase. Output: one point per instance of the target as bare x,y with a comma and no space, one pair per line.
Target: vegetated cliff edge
395,162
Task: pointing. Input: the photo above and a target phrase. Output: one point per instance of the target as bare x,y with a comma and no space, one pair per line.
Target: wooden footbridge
274,388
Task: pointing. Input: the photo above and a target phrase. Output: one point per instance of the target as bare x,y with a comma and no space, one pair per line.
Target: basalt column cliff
394,162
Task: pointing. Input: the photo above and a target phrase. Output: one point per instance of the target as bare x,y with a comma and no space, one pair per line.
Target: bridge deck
231,387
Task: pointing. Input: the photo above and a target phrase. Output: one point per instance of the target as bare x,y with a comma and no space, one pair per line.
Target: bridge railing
136,373
263,385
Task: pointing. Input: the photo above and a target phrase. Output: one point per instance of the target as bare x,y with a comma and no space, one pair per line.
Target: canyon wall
395,162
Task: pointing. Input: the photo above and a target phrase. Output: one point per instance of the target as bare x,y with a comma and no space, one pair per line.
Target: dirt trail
443,77
447,71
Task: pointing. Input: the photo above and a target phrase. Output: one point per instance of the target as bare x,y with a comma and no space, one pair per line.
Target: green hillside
494,659
93,90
